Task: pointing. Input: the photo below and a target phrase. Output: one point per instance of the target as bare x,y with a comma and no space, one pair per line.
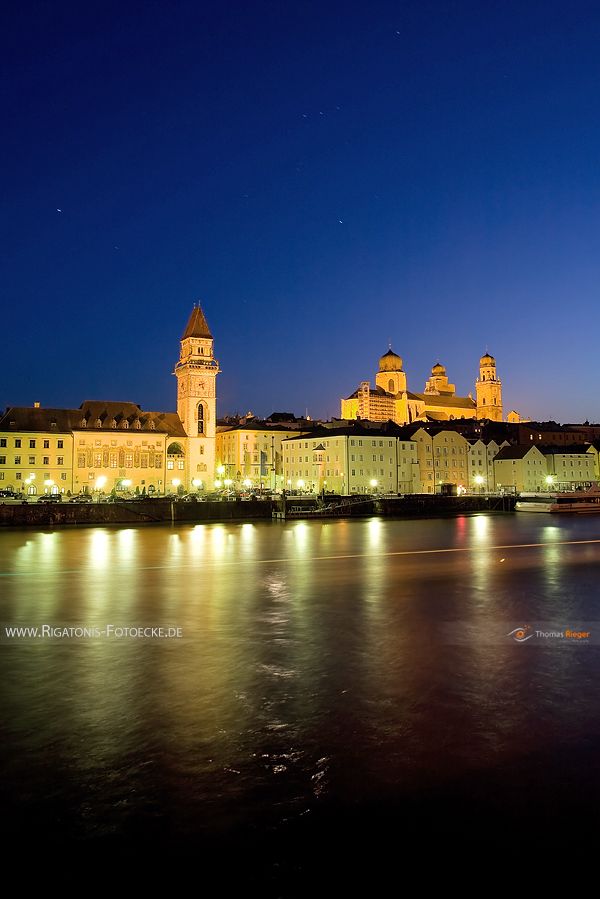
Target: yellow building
36,451
251,451
594,451
116,446
442,458
351,460
481,455
390,399
520,468
570,467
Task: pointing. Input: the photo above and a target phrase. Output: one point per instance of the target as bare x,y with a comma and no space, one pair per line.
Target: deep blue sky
324,177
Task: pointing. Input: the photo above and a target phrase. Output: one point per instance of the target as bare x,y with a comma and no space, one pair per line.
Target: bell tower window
200,418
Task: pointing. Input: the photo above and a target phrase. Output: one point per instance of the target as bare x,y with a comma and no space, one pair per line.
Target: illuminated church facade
390,398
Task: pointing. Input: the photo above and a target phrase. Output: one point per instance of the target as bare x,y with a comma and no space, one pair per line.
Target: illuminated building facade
116,446
391,399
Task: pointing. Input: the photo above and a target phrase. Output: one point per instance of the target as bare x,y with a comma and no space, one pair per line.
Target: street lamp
300,484
247,482
197,483
479,480
49,484
176,482
218,484
373,483
220,470
549,480
126,483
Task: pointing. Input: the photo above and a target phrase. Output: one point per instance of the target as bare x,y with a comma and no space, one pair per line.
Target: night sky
324,178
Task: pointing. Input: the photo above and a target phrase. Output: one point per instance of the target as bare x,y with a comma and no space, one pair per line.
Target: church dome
390,361
438,369
487,360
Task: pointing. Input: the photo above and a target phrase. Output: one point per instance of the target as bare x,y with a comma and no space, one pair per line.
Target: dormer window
137,424
98,423
152,426
113,423
124,424
83,423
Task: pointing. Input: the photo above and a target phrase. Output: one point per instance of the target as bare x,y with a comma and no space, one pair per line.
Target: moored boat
577,501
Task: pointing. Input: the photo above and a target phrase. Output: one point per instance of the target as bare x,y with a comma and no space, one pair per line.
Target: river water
353,678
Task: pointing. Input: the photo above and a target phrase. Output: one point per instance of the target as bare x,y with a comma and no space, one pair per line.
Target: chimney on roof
36,405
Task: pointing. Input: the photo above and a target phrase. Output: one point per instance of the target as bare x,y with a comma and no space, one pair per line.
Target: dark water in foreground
316,690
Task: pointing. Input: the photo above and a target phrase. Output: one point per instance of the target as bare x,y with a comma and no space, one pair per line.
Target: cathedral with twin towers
390,398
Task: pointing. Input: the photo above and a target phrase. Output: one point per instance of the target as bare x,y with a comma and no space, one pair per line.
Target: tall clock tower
488,387
196,374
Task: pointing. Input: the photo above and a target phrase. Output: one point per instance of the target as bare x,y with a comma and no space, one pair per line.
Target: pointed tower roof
197,325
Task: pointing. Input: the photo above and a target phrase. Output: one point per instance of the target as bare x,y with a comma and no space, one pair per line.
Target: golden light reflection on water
302,642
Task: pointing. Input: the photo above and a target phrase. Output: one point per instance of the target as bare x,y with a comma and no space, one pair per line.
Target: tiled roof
97,415
197,325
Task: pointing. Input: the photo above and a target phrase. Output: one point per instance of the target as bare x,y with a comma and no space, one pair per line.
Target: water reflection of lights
175,547
218,539
126,544
480,528
248,533
301,535
375,532
49,546
99,549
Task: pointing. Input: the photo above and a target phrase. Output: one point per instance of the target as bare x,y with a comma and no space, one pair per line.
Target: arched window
200,418
391,386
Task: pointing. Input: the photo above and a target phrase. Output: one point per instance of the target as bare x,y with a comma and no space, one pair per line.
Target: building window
170,465
32,460
17,460
180,464
200,418
3,441
80,460
60,460
46,460
47,444
32,444
18,475
2,460
18,443
59,444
